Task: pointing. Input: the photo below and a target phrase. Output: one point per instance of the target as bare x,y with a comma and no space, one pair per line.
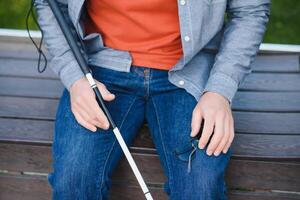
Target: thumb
107,95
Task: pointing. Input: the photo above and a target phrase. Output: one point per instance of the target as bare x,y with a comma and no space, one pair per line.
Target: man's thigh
83,159
169,117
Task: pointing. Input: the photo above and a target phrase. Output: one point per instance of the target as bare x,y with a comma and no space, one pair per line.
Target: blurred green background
283,28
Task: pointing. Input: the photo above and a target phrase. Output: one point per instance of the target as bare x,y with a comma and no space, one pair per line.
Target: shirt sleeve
242,37
63,62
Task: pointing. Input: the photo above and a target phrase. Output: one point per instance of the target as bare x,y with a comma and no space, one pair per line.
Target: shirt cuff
222,84
70,74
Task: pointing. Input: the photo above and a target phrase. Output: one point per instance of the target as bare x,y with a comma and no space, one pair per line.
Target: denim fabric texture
83,161
216,55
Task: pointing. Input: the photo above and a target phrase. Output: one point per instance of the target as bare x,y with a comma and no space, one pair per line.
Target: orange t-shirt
148,29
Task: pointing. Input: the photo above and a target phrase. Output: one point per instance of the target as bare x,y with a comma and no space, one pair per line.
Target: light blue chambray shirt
203,31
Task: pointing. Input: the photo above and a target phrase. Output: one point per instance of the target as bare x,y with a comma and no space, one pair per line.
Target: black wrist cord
37,46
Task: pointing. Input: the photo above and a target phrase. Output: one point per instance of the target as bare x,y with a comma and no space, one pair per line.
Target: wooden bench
266,150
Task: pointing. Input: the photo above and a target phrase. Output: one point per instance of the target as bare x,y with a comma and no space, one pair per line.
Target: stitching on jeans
112,147
163,145
149,79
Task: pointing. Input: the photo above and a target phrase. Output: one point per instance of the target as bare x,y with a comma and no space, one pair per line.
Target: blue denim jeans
83,161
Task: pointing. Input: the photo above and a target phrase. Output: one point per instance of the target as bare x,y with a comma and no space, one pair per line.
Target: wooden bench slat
40,108
37,188
244,145
28,87
19,50
267,123
261,195
24,187
263,62
243,173
245,122
271,82
24,68
36,108
26,130
276,63
52,88
268,146
267,101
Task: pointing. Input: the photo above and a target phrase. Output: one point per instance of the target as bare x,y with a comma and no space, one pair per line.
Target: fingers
90,112
207,131
231,136
218,131
83,122
225,138
106,95
98,114
85,106
196,122
217,136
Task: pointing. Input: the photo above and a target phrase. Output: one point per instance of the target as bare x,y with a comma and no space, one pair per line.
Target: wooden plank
261,195
24,187
252,146
248,174
40,108
276,63
24,68
248,145
36,108
28,87
262,63
263,175
267,146
271,82
41,131
37,188
31,87
126,193
20,50
18,157
242,174
267,101
244,145
22,130
267,123
280,63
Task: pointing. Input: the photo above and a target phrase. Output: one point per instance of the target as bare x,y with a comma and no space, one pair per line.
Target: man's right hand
85,107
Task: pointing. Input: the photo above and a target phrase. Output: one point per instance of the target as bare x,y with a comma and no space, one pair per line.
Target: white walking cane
85,69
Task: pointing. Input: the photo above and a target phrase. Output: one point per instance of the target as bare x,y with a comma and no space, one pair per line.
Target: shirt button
181,82
182,2
187,38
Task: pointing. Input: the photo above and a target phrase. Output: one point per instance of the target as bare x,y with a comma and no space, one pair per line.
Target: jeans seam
163,145
111,149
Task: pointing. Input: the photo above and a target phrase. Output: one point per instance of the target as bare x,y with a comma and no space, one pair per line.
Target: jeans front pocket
186,152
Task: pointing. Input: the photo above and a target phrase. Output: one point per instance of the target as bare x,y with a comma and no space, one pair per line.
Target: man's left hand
215,110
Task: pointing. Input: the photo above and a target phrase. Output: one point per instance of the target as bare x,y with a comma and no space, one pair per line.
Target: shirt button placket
186,29
181,82
186,38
